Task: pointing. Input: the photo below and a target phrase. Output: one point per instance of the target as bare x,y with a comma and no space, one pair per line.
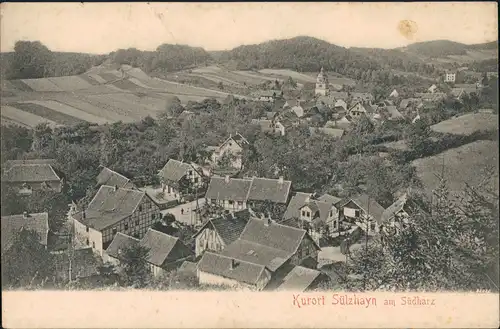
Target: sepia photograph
323,150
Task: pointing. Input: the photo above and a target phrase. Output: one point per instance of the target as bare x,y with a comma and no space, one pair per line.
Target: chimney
280,180
226,179
25,214
233,264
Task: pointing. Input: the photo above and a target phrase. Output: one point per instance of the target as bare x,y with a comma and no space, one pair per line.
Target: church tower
322,86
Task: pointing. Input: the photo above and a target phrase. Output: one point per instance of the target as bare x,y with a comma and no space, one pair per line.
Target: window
331,213
153,216
114,230
93,245
334,224
303,213
196,179
240,203
140,208
190,173
230,202
356,212
126,226
308,214
87,228
136,222
88,243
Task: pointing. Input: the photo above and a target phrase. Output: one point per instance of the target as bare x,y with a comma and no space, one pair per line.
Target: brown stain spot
407,28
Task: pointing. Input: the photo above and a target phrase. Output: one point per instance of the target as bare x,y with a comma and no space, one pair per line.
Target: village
240,231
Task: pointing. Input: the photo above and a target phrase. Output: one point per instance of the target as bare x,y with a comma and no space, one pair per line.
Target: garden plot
96,77
136,101
70,83
256,77
109,116
216,78
10,122
90,80
111,104
181,89
138,82
135,72
24,117
41,84
289,73
69,110
126,85
109,77
19,84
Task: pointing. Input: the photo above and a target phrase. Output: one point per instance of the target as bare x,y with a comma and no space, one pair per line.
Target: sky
104,27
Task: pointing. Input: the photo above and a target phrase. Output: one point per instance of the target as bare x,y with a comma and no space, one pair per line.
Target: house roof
262,189
235,189
119,243
394,208
327,100
393,112
292,102
270,114
188,266
362,95
369,205
265,125
112,178
296,202
174,170
299,278
10,163
110,206
258,189
256,253
30,173
329,199
11,225
321,207
229,227
185,115
163,248
275,235
466,85
339,94
221,265
327,131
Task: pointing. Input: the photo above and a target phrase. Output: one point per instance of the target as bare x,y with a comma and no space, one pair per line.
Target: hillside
448,49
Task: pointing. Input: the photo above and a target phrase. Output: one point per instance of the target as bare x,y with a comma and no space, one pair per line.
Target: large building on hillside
322,84
112,210
26,176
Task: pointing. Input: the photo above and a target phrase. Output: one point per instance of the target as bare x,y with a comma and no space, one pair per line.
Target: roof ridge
262,245
128,179
240,260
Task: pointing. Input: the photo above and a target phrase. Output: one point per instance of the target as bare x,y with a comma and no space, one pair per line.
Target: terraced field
46,113
69,110
70,83
23,118
75,102
300,77
41,85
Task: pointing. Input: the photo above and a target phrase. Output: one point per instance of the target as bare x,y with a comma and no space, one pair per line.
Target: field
468,124
70,83
471,56
13,115
465,164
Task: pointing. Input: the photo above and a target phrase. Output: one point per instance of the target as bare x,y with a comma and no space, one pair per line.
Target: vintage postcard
220,165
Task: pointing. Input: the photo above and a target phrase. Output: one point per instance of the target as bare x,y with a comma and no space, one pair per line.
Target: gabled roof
369,205
10,163
112,178
109,206
296,202
264,124
299,278
394,208
256,253
274,235
274,190
393,112
30,173
338,133
292,102
11,225
339,94
163,248
238,139
329,199
229,227
235,189
174,170
119,243
257,189
188,267
221,265
270,115
327,100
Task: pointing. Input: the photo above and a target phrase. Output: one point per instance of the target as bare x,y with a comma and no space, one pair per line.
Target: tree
26,261
134,269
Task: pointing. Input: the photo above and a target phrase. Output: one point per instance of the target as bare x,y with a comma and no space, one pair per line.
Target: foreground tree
134,270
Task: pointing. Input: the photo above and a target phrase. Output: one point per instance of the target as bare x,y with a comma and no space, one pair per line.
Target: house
359,109
450,77
217,233
11,225
394,94
188,268
178,177
397,214
239,193
405,103
186,115
25,176
432,89
270,115
431,97
270,95
112,210
363,211
340,104
333,132
326,100
322,84
263,250
393,113
295,106
272,127
115,249
460,92
165,252
229,153
339,95
296,278
490,75
361,98
320,216
112,178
